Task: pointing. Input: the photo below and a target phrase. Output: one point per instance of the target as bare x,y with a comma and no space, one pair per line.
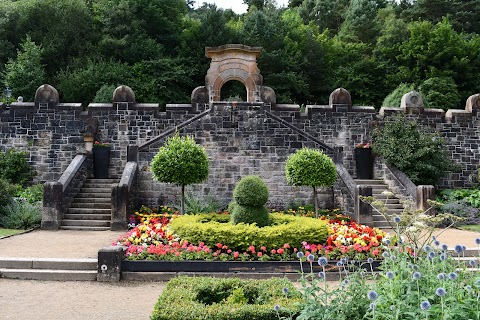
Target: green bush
7,191
394,99
246,214
20,214
32,194
440,92
212,229
207,205
251,191
421,156
195,298
14,166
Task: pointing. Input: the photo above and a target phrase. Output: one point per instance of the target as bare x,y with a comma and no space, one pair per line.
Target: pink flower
375,252
280,251
286,246
259,254
251,249
236,254
229,251
273,251
263,248
219,245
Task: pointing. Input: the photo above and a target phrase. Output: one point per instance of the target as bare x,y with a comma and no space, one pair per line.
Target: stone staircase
395,207
91,208
48,269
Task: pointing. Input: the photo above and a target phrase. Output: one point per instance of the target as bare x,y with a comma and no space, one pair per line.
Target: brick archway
233,62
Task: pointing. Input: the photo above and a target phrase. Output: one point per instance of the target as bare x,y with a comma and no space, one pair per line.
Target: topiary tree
250,196
180,161
313,168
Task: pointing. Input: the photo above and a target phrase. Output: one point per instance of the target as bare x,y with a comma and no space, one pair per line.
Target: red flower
219,245
251,249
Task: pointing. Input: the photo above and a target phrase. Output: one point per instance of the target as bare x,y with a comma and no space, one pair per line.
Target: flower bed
153,239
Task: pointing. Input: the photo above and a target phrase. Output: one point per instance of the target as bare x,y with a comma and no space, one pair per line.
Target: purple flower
311,257
427,248
477,240
452,276
285,291
321,275
372,295
443,257
458,249
390,275
276,308
444,247
425,305
370,260
440,292
416,275
322,261
300,255
396,219
472,263
441,276
436,243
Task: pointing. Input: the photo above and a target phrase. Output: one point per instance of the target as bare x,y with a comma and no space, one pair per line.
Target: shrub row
212,229
187,298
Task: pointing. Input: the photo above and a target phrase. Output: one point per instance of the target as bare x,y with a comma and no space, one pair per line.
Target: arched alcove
233,90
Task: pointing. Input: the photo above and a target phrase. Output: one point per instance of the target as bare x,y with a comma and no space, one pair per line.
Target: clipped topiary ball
251,191
249,215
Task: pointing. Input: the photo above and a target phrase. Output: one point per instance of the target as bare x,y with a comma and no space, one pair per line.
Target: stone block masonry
240,139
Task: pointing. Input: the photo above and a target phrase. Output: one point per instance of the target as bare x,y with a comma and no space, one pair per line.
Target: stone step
85,223
83,228
88,204
48,263
49,275
89,211
102,181
93,200
96,190
92,216
394,206
94,195
381,225
369,182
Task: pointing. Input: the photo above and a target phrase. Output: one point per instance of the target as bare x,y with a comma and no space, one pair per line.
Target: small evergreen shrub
440,92
251,191
14,166
21,214
186,298
7,191
258,215
394,99
212,229
421,156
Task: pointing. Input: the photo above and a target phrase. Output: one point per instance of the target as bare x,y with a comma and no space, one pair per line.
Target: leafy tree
308,167
440,92
394,98
105,94
420,155
180,161
14,166
360,21
25,74
326,14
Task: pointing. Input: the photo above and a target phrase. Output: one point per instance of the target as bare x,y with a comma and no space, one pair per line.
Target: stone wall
240,139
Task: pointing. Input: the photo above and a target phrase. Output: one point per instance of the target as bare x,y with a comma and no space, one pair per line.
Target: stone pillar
132,153
119,207
338,155
109,264
425,193
52,206
363,210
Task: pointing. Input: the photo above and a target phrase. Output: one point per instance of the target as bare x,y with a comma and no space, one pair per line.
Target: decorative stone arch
235,62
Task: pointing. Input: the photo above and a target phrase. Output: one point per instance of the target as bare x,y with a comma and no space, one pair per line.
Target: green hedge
198,298
283,229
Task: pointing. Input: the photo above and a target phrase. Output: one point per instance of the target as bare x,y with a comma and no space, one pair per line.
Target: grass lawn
470,227
7,232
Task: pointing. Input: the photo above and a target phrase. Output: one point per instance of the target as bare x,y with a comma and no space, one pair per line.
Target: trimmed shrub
421,156
180,161
251,191
246,214
440,92
211,230
186,298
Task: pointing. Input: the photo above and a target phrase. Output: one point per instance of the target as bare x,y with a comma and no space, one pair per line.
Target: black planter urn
101,162
364,163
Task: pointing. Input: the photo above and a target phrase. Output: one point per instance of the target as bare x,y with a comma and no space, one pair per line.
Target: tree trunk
315,201
182,210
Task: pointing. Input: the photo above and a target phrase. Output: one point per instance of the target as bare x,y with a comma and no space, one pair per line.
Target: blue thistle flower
468,288
343,261
444,247
441,276
452,276
276,307
427,248
373,305
390,275
322,261
396,219
372,295
477,240
321,275
386,241
440,292
443,257
339,263
425,305
393,258
370,260
458,249
415,267
300,255
385,254
310,258
432,254
436,243
285,291
434,238
345,281
472,263
416,275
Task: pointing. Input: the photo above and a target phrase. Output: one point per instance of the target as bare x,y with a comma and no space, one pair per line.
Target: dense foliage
250,196
420,155
309,48
192,298
464,203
